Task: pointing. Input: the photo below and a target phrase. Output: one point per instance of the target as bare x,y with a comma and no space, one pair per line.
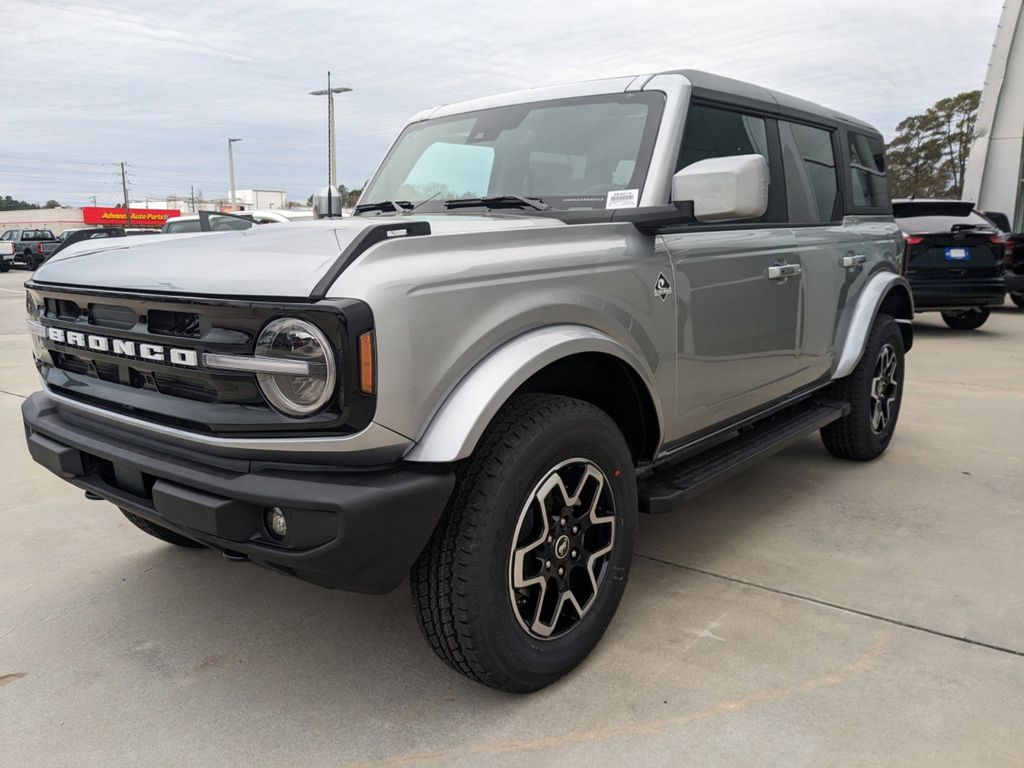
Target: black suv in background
955,260
1015,268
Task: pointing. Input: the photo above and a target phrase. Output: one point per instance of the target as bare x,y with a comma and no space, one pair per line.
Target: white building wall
261,199
994,180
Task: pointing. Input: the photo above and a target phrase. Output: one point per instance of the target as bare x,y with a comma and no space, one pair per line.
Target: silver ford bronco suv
553,310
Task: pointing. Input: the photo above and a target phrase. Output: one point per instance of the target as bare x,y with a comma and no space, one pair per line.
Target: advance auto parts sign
141,217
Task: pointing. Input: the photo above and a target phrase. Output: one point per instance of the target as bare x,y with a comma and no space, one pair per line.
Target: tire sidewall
966,321
502,638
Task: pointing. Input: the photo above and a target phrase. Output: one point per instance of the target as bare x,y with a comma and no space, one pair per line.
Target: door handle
781,271
853,261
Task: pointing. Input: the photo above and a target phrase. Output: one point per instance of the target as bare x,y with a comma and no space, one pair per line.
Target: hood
270,260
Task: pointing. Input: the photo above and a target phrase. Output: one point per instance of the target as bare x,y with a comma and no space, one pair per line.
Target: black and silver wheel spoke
884,387
562,546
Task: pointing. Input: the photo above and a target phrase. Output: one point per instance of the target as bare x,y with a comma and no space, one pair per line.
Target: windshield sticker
622,198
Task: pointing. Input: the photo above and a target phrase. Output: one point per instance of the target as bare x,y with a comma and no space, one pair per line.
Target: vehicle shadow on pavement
984,333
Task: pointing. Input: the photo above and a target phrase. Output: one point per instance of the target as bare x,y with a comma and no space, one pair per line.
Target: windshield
571,153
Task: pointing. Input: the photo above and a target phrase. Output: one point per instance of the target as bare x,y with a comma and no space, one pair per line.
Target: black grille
112,316
194,397
63,309
107,371
171,323
71,363
193,390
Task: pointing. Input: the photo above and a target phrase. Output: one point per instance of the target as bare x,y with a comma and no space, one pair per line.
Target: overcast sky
84,85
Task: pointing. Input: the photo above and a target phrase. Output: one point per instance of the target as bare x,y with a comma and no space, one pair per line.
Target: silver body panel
465,315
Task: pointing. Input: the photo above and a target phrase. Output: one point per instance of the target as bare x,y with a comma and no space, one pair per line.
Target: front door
739,298
739,285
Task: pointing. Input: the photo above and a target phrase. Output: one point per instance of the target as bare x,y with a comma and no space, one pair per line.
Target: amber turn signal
367,363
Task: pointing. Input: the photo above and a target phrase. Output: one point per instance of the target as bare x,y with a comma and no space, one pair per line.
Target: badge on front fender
662,287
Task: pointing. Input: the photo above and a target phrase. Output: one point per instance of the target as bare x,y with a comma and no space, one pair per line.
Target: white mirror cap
724,188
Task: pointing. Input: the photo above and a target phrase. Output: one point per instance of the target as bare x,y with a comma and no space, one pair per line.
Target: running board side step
670,486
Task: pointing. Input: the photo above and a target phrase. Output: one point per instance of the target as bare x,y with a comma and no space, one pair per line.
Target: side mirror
724,188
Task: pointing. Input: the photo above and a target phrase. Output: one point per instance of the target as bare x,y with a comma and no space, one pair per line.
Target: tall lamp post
332,159
231,168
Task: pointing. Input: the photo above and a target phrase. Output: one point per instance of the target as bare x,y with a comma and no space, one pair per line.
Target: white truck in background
6,255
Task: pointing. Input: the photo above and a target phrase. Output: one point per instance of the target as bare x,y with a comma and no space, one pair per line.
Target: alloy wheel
883,389
561,550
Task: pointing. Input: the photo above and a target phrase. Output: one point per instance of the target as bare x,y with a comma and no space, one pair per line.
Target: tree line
8,203
928,155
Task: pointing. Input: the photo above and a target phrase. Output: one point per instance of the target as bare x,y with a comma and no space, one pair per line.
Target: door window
715,132
712,132
810,168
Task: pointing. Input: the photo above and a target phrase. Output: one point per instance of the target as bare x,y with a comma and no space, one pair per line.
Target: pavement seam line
835,606
12,394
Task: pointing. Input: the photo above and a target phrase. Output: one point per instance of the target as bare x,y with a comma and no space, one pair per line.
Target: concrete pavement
810,612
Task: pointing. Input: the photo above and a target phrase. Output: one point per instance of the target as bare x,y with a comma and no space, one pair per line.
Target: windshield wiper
385,206
499,201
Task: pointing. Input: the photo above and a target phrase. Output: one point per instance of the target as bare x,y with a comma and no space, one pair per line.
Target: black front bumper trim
350,529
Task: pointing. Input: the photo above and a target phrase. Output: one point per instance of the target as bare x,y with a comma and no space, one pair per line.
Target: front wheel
966,321
1018,299
526,569
874,391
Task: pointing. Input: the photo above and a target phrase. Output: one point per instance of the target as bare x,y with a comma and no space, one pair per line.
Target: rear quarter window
869,185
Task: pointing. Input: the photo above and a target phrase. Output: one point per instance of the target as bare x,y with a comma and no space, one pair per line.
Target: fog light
277,524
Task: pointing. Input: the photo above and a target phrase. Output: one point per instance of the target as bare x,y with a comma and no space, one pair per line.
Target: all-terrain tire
159,532
1018,299
966,321
462,584
856,436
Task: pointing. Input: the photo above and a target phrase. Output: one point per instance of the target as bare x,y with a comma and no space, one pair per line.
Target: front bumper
356,529
932,295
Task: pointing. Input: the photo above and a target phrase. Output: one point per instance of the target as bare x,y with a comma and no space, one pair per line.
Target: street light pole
332,158
231,168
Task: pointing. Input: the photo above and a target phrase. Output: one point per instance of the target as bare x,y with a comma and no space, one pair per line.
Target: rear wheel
966,321
4,266
1018,299
874,391
159,532
526,569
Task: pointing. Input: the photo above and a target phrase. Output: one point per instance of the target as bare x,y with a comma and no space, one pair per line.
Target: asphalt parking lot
810,612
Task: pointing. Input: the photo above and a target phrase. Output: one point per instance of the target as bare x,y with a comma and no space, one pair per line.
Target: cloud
163,85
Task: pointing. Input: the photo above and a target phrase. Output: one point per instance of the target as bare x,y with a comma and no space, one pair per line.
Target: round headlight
298,394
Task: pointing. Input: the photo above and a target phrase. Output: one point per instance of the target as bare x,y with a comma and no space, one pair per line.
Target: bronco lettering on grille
155,353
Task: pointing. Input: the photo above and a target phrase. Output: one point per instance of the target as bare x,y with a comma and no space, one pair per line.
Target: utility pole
231,168
94,201
332,160
127,209
193,188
